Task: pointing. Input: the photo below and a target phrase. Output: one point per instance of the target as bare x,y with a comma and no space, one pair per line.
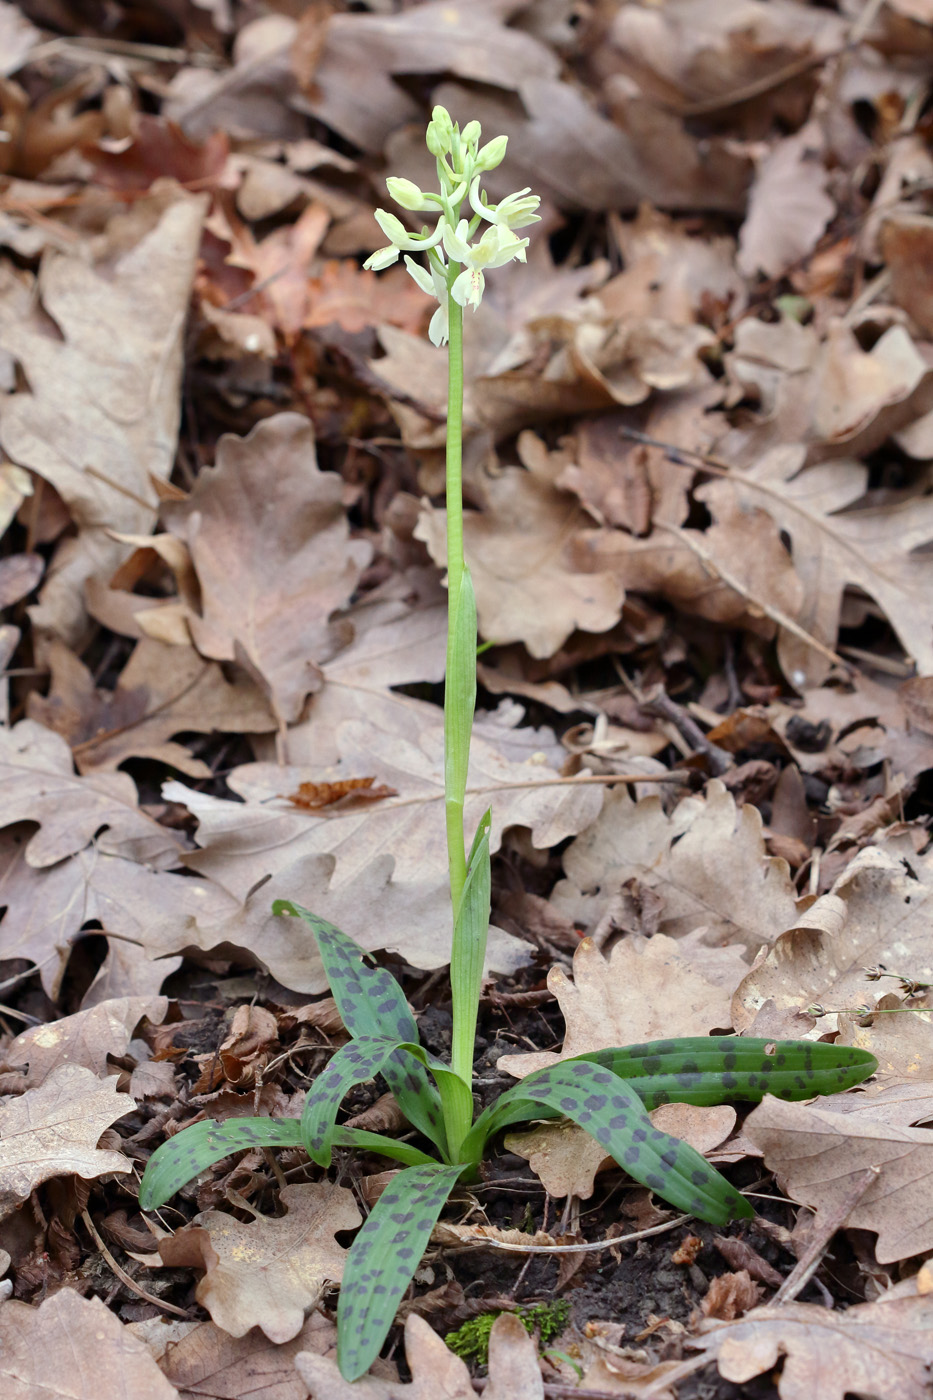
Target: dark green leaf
371,1003
384,1256
712,1070
194,1149
611,1112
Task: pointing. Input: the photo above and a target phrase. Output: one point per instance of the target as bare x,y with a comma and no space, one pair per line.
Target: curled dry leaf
884,1349
269,1272
74,1348
53,1131
876,912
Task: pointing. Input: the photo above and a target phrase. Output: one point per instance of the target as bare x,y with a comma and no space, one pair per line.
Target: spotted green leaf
712,1070
611,1111
194,1149
371,1003
383,1259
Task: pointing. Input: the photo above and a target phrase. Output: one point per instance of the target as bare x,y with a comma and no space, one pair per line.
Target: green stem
453,793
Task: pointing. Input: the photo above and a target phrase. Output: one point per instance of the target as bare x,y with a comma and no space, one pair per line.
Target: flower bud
439,133
406,193
492,154
383,257
393,228
471,133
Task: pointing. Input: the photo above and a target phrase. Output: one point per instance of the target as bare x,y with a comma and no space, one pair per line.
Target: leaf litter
697,437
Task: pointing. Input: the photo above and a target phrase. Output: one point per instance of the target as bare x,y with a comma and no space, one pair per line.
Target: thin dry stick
810,1261
487,1241
783,619
124,1277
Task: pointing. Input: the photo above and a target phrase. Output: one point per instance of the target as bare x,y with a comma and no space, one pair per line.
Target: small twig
659,703
124,1277
834,1220
482,1241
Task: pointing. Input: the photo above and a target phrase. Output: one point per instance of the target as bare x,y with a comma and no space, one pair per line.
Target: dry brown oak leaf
86,1038
647,989
815,1154
878,911
527,557
566,1159
162,691
879,550
54,1130
77,1349
39,785
883,1349
380,874
47,909
437,1374
100,416
204,1361
706,861
267,1273
269,538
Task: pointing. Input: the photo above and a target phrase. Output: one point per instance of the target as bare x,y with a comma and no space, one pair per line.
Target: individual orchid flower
433,280
515,211
400,239
497,246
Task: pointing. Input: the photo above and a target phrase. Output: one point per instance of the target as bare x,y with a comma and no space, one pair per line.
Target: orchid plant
608,1092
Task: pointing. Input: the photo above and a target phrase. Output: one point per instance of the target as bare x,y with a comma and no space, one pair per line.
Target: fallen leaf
645,990
47,909
53,1131
207,1363
74,1348
269,1272
567,1160
788,207
706,860
340,865
884,1349
347,792
19,575
529,573
731,1295
269,539
816,1153
876,912
86,1038
437,1374
162,691
100,417
39,785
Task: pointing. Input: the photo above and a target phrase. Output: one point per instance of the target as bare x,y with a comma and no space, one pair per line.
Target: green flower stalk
607,1092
